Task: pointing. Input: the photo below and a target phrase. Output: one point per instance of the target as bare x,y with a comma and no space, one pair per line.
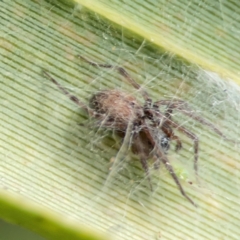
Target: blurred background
14,232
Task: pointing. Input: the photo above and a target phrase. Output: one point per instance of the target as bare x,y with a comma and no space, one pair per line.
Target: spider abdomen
118,107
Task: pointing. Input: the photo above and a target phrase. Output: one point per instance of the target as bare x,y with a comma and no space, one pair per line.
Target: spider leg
121,71
162,157
185,109
178,142
174,176
139,148
69,95
192,136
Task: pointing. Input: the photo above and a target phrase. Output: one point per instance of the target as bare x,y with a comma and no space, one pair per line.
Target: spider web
68,164
209,96
166,77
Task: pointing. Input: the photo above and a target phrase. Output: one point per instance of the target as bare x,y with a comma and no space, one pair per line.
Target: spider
151,130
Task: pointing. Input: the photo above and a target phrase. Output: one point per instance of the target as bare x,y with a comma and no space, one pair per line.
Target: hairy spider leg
169,167
192,136
70,96
183,107
139,150
162,157
121,71
178,142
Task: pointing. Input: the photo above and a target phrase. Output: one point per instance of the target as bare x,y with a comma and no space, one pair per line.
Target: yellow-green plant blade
18,210
51,153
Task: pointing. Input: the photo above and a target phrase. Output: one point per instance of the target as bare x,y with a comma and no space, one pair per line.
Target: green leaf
17,209
52,159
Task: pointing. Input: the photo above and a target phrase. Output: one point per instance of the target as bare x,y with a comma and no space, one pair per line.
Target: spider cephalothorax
151,130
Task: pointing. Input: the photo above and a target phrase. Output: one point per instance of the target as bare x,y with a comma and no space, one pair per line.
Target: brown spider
151,130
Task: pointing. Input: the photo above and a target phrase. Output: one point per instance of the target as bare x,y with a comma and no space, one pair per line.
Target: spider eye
165,143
